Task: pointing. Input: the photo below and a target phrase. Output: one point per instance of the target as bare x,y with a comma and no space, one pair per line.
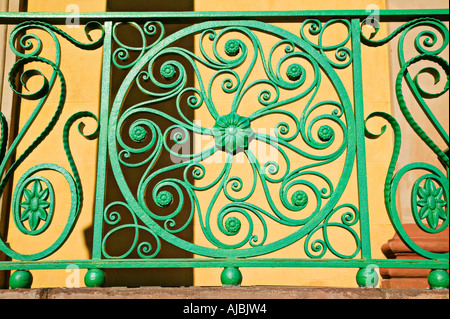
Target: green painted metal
192,166
310,134
192,17
438,279
361,148
367,277
431,197
35,203
231,276
95,278
21,279
102,150
226,262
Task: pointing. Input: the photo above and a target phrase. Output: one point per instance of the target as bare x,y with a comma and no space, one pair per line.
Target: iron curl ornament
34,196
292,71
430,191
343,55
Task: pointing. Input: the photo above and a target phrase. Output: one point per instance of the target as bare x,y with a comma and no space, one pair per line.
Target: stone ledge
252,292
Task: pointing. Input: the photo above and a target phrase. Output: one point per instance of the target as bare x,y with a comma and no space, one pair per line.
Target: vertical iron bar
102,142
360,142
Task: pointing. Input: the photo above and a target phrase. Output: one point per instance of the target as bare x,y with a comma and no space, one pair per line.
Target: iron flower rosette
232,133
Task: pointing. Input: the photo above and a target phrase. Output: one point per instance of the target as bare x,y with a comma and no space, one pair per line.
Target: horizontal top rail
198,16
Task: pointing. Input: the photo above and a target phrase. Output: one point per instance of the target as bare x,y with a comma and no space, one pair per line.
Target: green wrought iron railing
146,131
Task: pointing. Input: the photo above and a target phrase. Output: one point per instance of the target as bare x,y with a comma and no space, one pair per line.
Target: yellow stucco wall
83,93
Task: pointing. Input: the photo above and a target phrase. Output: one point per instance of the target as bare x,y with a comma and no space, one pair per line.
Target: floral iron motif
431,203
35,205
232,133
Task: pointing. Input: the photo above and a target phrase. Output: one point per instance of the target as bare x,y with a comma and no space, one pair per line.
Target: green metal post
360,143
102,142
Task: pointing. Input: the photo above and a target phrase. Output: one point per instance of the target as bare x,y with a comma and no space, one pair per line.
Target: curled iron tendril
39,201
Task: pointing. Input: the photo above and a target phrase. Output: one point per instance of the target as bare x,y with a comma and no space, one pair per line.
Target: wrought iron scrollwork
274,162
343,55
430,192
232,52
33,197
